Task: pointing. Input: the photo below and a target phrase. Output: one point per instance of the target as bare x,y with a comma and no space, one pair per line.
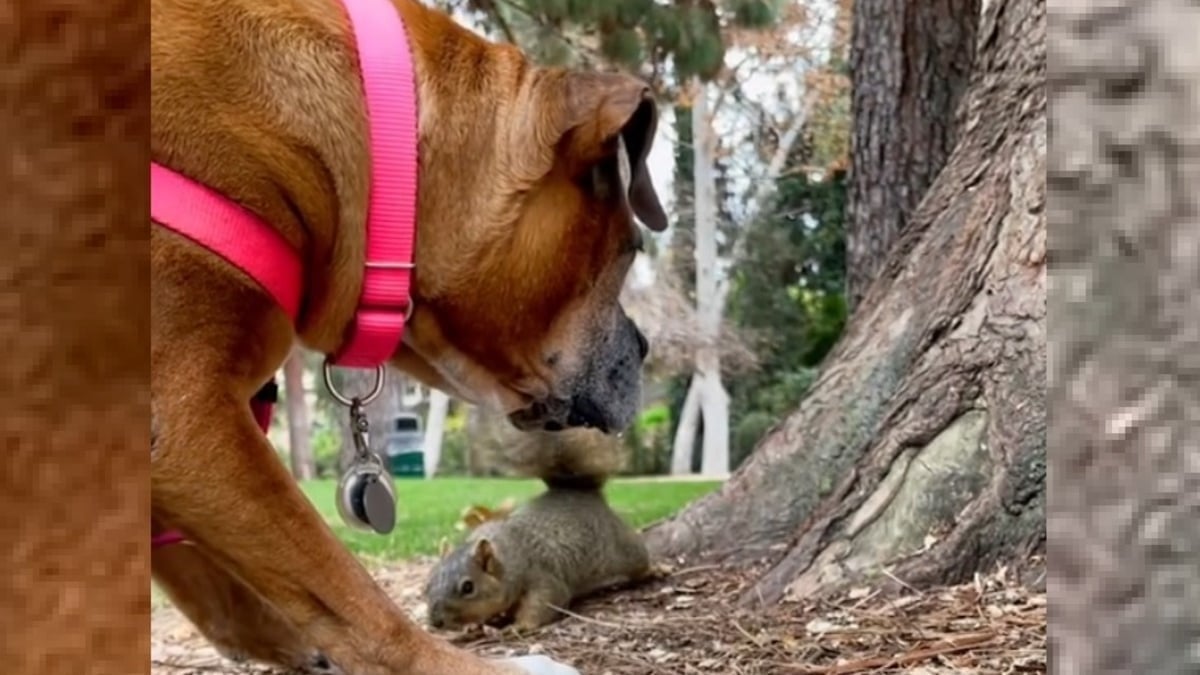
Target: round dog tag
379,506
366,499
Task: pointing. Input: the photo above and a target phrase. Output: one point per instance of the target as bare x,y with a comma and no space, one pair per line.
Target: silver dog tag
379,506
366,499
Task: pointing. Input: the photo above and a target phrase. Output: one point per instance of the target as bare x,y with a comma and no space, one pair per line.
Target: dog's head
529,209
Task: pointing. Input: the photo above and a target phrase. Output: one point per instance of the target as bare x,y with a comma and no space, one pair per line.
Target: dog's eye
466,588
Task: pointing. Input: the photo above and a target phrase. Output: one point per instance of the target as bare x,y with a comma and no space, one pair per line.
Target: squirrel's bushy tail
573,459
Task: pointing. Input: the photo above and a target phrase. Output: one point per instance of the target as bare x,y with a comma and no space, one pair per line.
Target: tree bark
910,64
921,449
1124,524
300,452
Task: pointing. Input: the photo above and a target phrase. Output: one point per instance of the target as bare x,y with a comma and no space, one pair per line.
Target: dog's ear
602,114
607,106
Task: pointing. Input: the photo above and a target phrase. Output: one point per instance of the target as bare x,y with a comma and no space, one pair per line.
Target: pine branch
505,27
587,54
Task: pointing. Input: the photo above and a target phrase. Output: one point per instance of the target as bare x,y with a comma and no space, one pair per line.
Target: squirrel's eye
467,587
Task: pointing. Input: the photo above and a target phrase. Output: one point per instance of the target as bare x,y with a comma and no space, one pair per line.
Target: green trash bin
410,464
405,447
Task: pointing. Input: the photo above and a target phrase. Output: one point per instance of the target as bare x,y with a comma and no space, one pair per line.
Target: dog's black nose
585,413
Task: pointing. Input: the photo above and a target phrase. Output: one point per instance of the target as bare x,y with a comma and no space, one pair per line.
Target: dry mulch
688,623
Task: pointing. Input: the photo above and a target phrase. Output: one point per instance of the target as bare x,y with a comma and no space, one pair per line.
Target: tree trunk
1124,531
910,62
714,406
921,449
711,396
704,387
684,444
683,228
304,465
435,429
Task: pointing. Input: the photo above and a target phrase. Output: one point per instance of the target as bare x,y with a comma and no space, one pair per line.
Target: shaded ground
688,624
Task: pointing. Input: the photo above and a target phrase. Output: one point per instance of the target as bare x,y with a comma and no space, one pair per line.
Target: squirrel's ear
485,557
444,547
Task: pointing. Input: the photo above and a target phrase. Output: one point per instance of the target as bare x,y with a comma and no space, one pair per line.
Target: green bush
453,461
649,441
326,443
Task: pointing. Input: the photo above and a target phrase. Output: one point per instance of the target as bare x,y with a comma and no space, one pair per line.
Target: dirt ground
688,624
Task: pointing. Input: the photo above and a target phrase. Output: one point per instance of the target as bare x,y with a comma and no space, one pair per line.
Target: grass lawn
428,509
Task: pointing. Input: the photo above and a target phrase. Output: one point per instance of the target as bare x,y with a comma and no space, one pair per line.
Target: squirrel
567,542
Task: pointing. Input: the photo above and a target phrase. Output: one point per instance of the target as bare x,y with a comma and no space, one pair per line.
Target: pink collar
233,232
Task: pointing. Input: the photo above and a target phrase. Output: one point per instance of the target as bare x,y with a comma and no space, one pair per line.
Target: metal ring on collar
376,389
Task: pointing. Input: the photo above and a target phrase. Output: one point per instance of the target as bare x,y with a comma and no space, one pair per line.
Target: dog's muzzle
607,393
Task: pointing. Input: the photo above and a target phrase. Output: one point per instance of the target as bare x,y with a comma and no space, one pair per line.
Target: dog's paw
540,665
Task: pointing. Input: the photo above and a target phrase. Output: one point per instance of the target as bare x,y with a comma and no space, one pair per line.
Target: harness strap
229,230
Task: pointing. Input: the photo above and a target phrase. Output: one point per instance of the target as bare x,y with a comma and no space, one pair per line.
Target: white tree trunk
299,428
713,399
714,404
706,393
685,433
435,429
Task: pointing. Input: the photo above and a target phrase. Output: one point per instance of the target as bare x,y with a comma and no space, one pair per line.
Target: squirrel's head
467,586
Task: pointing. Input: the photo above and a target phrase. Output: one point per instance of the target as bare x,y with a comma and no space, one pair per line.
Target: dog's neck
276,120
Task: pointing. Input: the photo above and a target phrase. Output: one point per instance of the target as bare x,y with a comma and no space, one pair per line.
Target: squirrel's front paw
541,665
517,631
659,570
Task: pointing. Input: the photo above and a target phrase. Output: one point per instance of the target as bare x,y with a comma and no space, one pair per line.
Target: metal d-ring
376,389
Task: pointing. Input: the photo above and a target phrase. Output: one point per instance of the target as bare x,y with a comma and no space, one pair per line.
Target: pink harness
245,240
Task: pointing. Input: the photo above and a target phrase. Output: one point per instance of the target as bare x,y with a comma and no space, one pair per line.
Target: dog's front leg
234,618
217,478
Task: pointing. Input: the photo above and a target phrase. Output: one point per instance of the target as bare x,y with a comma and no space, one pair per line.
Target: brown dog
525,236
